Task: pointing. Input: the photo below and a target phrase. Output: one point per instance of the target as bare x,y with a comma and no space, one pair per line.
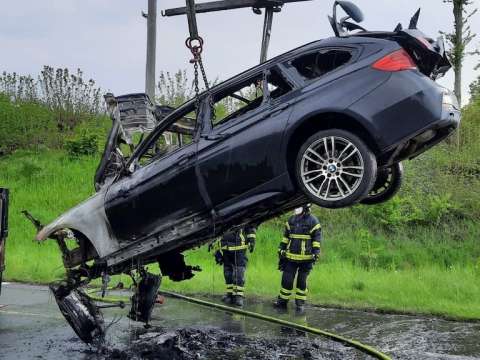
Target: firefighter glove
219,258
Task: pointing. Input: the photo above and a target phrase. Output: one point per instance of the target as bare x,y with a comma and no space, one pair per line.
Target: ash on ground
196,343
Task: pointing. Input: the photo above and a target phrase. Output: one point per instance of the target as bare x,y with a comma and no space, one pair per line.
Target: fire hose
307,329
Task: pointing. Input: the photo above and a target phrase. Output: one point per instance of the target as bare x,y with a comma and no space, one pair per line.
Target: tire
338,175
144,298
388,183
80,312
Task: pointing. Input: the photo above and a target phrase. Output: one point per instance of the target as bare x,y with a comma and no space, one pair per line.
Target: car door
160,191
241,152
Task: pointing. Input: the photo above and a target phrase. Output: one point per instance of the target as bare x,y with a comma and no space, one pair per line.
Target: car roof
331,41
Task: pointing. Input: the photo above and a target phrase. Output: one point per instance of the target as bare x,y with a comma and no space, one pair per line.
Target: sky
107,38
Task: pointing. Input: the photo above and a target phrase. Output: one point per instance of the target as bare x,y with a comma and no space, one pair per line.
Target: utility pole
151,17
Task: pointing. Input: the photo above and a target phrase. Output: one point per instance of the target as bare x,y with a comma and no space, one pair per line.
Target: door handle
216,137
279,109
182,160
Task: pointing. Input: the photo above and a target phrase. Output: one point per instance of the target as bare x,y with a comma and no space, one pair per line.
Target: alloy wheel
332,168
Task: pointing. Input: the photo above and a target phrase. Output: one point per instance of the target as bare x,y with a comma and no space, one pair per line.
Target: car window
319,63
247,96
180,133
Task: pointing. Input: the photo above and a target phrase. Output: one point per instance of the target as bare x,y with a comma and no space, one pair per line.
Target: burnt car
4,197
329,122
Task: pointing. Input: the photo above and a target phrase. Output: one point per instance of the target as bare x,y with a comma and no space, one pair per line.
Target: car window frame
267,101
163,127
287,63
283,73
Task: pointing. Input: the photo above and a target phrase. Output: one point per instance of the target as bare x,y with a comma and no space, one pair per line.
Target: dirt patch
193,344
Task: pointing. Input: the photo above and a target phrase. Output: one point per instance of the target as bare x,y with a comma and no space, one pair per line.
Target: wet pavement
32,327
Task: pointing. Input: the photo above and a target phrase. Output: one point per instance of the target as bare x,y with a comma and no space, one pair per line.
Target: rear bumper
407,115
425,138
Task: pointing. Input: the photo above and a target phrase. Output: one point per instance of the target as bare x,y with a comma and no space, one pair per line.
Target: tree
174,89
475,90
459,39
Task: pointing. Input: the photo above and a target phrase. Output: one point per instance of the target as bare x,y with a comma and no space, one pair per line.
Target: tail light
397,61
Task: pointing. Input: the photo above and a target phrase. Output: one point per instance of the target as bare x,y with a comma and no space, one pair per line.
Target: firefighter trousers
234,266
293,269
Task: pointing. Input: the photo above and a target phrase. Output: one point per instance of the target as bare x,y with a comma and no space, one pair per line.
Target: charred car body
329,122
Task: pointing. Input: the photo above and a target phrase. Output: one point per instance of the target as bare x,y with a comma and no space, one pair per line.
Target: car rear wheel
388,183
335,168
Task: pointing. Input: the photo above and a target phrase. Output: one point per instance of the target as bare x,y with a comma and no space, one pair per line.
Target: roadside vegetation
416,253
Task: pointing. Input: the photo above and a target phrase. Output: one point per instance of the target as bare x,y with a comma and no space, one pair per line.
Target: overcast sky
107,38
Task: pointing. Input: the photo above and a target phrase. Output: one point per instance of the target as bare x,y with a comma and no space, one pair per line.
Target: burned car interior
248,95
251,148
179,134
320,63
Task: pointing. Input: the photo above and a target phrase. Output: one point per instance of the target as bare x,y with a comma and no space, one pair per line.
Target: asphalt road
31,327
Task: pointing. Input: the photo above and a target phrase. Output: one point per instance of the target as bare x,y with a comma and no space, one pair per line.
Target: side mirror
352,10
131,168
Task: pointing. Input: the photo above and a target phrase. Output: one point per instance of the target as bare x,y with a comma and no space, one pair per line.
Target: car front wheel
335,168
389,181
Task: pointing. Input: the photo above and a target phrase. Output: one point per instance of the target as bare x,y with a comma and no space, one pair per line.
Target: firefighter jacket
240,239
302,237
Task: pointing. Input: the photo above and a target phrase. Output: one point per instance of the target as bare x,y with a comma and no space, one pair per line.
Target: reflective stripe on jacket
239,239
302,237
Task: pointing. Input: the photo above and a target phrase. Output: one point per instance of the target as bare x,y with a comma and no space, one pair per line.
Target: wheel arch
323,121
85,251
85,242
89,220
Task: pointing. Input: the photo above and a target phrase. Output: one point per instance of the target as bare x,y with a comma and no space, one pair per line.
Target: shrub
71,98
26,125
174,89
83,144
19,87
28,170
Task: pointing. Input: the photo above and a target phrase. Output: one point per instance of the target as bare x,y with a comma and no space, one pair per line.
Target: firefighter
231,252
298,251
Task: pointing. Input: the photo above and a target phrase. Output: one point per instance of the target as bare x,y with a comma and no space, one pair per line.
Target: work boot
227,298
238,300
280,303
300,306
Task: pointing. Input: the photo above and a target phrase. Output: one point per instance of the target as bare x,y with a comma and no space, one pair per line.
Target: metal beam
192,19
229,5
267,33
151,49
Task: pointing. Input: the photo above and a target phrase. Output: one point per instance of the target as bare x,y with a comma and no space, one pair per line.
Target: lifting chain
195,45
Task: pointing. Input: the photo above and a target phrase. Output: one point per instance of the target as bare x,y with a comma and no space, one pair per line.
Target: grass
431,269
428,288
46,184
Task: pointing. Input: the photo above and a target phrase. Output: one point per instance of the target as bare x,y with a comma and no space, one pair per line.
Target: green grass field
432,269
